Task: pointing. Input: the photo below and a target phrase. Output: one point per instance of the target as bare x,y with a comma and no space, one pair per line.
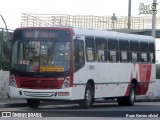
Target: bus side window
134,51
151,53
101,51
90,49
144,52
124,50
78,54
113,50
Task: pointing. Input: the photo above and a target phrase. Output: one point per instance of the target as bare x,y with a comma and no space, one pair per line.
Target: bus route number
26,62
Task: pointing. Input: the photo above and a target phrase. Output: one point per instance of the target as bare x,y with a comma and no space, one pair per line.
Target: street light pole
1,49
4,22
154,20
129,14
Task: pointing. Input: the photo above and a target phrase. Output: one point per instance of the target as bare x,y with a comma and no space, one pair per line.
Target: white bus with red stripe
62,63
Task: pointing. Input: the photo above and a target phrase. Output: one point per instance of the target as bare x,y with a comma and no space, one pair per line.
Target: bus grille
39,84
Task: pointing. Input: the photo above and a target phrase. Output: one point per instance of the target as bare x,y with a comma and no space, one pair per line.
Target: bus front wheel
88,98
32,103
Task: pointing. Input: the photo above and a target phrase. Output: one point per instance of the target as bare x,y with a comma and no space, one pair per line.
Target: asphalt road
140,110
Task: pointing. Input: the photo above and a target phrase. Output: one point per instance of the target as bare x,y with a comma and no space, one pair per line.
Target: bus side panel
113,79
110,79
116,78
147,75
79,83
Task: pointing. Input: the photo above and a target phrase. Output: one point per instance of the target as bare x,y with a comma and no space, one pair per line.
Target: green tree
5,49
5,64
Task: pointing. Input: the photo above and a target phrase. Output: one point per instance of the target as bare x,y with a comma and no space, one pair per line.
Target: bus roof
112,34
98,33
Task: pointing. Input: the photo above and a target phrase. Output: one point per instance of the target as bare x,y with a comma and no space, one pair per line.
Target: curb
12,105
7,105
148,100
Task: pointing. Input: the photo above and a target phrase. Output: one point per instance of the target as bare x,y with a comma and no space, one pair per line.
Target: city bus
81,65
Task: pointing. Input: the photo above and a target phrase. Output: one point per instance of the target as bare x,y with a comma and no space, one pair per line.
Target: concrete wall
157,88
4,84
153,91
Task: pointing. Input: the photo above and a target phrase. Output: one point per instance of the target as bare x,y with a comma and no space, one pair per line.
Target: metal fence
87,21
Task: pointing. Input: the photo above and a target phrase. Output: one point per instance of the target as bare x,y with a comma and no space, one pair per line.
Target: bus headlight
66,83
12,81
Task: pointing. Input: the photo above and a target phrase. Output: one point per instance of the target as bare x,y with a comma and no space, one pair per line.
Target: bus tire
88,98
132,94
129,100
121,101
32,103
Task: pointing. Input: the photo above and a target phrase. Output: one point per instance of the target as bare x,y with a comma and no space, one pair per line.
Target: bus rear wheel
32,103
129,100
88,98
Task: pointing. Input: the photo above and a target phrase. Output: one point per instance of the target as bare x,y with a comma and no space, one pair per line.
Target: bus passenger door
78,55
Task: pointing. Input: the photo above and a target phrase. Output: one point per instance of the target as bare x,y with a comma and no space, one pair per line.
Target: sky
12,10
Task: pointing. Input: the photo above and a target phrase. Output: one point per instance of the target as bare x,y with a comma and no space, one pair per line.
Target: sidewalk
4,103
147,99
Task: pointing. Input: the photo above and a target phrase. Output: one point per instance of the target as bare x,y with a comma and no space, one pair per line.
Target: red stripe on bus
145,75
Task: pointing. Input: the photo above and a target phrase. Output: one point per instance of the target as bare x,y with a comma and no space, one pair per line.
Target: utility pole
154,18
129,14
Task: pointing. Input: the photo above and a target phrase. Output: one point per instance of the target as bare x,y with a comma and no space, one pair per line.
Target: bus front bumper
64,94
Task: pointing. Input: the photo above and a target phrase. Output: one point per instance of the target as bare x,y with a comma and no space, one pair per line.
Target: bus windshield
41,56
